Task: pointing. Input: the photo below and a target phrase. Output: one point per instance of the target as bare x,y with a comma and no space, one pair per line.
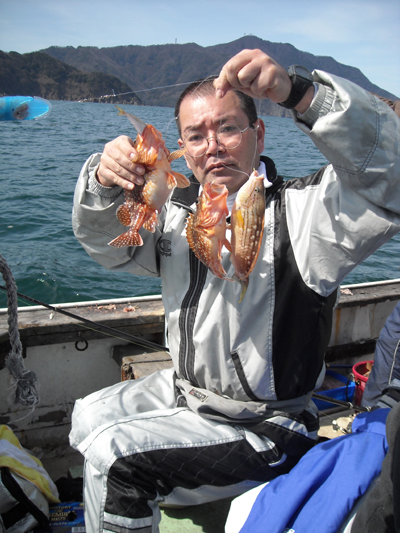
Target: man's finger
221,84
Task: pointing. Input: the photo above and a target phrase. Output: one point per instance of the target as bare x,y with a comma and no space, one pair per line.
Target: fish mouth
214,190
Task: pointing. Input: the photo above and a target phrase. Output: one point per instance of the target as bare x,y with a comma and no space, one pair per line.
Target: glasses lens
229,135
196,144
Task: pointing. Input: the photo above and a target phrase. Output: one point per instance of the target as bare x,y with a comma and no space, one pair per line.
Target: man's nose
214,146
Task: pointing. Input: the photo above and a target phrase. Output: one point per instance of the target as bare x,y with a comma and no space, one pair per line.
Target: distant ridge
68,73
146,67
38,74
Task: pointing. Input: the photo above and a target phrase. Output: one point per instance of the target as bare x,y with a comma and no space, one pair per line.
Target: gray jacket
265,355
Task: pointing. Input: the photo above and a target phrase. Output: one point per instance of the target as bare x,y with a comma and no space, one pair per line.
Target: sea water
39,165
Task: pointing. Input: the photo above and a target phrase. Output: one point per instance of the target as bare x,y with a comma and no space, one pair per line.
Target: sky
360,33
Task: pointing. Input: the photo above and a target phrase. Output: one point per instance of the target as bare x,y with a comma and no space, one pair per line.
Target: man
236,410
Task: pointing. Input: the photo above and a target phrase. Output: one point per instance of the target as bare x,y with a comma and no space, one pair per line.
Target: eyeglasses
228,136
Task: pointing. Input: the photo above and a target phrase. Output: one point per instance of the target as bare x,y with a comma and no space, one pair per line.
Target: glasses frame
218,142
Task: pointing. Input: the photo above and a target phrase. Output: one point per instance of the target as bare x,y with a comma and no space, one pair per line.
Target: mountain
39,74
148,67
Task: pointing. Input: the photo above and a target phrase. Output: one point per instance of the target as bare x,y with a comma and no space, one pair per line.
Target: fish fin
227,245
207,219
171,181
180,179
129,238
124,215
151,222
176,155
190,233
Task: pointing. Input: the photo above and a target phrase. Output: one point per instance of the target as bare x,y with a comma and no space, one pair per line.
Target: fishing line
111,332
211,76
201,82
135,91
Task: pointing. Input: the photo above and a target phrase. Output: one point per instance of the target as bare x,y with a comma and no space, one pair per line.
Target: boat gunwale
67,305
157,297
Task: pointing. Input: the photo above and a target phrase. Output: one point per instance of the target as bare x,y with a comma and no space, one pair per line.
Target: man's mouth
217,167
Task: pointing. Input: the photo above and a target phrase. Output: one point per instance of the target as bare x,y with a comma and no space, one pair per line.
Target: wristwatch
301,81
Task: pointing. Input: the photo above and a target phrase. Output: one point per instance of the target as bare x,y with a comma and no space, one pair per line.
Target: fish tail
244,284
216,268
138,124
129,238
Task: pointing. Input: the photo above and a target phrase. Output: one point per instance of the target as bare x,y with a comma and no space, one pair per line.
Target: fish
143,203
206,228
247,227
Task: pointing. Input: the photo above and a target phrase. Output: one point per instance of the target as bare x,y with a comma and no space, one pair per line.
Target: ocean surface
39,165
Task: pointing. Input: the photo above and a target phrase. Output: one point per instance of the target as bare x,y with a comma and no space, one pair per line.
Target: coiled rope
24,381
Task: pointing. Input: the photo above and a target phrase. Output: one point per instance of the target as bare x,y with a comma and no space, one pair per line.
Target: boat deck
73,359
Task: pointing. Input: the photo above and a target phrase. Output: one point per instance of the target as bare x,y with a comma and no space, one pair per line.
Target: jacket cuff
320,106
97,188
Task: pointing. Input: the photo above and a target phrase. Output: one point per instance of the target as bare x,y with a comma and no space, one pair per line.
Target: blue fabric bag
320,491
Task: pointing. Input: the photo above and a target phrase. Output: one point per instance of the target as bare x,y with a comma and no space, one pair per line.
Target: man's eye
228,128
194,138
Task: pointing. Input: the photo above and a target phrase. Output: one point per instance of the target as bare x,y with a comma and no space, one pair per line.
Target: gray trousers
142,450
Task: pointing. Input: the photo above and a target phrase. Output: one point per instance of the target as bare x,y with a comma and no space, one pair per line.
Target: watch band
301,81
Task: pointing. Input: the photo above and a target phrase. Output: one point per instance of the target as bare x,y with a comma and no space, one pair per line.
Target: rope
24,381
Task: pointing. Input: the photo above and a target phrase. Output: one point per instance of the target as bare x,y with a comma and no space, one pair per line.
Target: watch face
301,71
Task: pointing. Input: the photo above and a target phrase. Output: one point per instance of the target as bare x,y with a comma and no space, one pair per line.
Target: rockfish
247,225
205,229
144,202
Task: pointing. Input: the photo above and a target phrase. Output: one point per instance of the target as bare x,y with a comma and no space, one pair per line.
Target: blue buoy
23,107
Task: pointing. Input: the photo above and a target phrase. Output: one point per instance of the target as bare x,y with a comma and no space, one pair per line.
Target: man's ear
180,142
260,136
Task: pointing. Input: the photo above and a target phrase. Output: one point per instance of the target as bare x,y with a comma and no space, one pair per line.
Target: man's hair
205,87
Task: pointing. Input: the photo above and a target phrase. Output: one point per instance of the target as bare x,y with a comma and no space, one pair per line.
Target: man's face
205,114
